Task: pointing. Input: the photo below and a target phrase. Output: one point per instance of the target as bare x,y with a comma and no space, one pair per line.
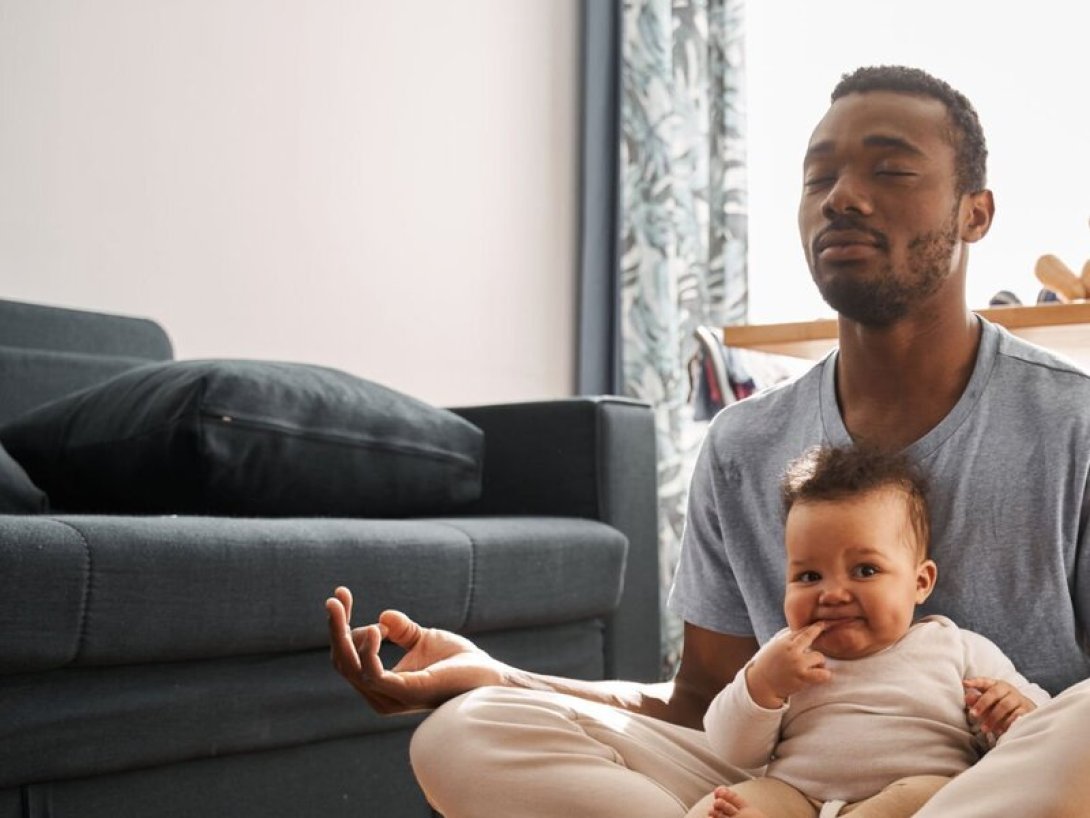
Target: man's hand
786,666
437,664
995,705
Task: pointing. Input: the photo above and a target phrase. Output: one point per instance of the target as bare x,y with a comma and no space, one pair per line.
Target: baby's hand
995,705
786,666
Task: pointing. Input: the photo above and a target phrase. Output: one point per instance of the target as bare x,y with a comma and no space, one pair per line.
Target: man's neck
895,384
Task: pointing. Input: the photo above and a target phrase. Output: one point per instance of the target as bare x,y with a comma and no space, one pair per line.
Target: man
893,196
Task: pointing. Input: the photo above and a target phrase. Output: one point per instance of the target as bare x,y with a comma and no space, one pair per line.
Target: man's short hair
967,136
835,473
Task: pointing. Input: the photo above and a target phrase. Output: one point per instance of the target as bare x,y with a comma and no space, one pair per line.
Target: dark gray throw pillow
247,438
17,494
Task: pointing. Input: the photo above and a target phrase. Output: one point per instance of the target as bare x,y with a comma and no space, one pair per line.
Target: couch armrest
585,457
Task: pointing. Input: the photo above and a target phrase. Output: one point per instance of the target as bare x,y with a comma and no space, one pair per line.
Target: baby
854,705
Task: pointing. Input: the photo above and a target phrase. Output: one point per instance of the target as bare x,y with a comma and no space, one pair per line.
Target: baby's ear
926,574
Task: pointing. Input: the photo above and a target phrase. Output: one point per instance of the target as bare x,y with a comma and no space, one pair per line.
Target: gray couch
177,665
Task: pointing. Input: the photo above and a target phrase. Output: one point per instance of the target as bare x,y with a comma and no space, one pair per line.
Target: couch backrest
47,352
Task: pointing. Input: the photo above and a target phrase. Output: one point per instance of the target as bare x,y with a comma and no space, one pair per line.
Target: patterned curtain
683,233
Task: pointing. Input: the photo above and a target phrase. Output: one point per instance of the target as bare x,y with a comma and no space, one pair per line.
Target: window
1024,68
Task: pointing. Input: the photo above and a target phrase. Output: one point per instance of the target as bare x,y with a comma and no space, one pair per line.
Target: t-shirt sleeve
1082,573
705,590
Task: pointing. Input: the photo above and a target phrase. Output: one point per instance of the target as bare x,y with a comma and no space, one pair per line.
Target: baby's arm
996,694
740,731
743,721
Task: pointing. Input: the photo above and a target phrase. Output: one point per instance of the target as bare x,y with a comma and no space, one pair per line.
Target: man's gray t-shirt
1008,467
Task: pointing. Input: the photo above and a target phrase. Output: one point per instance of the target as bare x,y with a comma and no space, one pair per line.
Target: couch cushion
17,494
97,590
38,326
32,377
247,438
361,775
78,722
45,574
537,570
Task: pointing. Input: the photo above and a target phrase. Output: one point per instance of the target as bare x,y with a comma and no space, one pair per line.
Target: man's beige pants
500,752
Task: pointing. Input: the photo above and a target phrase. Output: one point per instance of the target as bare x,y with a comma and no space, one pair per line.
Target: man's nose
848,194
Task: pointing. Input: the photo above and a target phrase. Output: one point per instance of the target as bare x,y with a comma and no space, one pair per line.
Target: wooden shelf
1063,328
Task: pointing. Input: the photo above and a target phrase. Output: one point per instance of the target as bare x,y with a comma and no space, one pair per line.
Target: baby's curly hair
967,135
832,473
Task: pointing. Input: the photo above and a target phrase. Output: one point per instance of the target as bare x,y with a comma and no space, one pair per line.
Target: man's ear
926,574
977,212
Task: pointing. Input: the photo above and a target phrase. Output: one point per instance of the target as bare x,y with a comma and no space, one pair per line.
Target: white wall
385,187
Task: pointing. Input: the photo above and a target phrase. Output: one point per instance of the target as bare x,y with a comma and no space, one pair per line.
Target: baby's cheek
797,612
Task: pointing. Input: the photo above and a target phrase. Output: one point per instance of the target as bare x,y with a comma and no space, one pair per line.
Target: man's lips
847,252
833,244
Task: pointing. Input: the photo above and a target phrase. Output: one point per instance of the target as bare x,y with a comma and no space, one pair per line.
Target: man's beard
885,298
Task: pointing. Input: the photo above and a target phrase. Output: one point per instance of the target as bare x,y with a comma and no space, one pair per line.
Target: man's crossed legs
501,751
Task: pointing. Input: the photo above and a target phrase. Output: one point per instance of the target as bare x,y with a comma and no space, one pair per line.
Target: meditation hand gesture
437,665
786,666
995,705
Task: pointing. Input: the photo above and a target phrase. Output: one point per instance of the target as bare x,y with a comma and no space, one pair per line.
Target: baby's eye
807,576
865,571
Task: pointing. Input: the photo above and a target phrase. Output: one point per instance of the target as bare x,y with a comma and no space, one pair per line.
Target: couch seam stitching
85,602
381,442
472,571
